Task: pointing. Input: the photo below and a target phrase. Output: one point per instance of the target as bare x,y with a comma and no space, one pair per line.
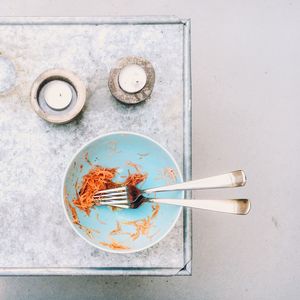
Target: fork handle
232,179
232,206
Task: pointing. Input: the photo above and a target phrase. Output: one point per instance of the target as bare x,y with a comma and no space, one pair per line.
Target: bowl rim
69,166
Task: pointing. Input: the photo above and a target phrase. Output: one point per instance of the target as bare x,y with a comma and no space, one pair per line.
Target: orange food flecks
89,231
117,230
86,158
73,212
135,166
155,210
99,220
97,179
134,179
170,173
142,227
114,245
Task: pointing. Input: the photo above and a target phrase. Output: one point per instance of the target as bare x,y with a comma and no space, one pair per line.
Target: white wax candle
58,94
132,78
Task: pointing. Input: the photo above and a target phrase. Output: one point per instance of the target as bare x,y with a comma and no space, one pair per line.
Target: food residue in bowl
142,155
99,220
155,210
100,178
86,158
141,226
73,212
89,231
114,245
168,175
135,166
112,146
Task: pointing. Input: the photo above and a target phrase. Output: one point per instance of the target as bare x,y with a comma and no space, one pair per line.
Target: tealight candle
58,94
132,78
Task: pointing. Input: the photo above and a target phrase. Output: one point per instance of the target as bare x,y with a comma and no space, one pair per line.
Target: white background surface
246,95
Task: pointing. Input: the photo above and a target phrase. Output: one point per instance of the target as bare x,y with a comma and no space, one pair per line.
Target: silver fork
129,194
232,206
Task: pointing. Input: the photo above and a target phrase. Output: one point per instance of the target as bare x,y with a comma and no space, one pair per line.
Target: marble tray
35,238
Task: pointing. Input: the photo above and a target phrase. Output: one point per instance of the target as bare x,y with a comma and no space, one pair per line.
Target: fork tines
119,189
118,195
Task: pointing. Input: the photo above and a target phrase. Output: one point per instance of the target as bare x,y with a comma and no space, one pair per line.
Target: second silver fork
115,196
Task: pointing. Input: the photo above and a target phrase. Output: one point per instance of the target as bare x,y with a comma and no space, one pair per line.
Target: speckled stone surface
34,232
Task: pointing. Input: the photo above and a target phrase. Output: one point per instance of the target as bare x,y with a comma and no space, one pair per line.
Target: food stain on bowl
112,161
100,178
113,147
142,155
99,220
168,175
141,226
97,179
114,245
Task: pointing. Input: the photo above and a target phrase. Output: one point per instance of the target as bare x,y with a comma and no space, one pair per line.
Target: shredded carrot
135,166
134,179
73,212
89,231
97,179
155,210
142,227
170,174
117,230
86,158
114,245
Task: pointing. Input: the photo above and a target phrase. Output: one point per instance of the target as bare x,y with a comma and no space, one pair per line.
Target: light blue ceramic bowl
116,150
